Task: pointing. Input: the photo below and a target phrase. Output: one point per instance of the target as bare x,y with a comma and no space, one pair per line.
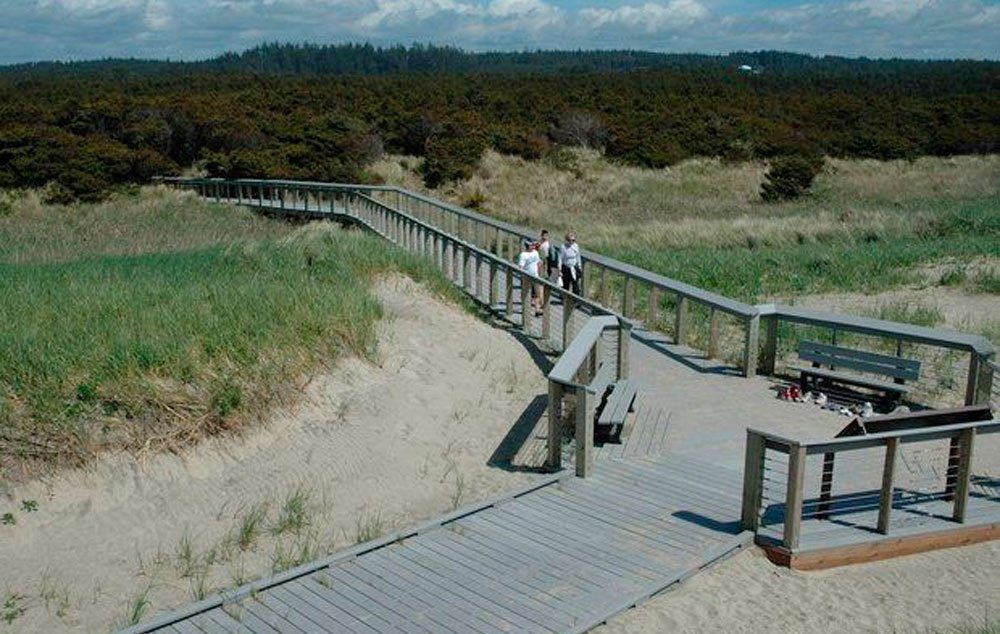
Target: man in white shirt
529,261
571,264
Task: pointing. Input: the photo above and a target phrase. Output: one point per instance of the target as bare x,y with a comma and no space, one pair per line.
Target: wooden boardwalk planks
560,558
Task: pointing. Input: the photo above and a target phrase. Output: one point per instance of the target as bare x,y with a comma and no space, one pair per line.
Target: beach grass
193,320
866,226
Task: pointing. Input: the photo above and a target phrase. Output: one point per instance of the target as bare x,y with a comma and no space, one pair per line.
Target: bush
455,153
789,177
581,128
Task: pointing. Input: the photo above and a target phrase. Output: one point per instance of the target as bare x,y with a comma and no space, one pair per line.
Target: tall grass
158,347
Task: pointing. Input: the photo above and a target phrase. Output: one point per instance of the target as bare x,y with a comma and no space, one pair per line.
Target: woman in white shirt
530,262
571,264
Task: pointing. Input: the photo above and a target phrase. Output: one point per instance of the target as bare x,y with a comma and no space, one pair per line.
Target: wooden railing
481,238
573,374
782,466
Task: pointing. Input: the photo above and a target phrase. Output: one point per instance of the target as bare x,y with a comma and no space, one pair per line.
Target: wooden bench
898,369
617,406
614,400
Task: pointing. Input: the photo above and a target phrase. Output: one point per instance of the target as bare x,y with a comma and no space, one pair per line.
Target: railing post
466,265
680,320
885,496
494,287
584,433
547,313
966,441
750,345
526,310
628,296
554,409
624,340
980,380
508,308
602,285
753,481
654,307
569,305
793,495
713,334
770,344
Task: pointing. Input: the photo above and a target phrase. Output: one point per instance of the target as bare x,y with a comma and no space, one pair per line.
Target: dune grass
864,227
176,329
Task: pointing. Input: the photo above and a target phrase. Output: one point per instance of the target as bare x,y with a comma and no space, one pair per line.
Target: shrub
581,128
455,153
789,177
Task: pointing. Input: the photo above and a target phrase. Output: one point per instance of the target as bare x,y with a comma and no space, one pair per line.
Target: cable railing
959,367
884,475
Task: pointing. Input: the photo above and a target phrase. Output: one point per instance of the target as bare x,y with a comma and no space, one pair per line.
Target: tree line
325,113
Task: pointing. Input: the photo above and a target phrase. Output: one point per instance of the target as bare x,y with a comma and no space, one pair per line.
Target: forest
328,112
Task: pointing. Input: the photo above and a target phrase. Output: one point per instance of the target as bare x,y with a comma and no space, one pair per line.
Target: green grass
157,348
753,274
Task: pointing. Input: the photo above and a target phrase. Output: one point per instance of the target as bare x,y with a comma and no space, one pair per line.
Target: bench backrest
860,360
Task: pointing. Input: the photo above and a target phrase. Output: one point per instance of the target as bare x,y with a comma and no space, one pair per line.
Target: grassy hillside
150,321
866,226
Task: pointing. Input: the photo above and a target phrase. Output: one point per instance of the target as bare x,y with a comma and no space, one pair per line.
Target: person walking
548,254
571,264
530,262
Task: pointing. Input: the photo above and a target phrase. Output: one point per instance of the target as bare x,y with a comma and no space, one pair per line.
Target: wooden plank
409,610
484,602
344,597
304,614
450,612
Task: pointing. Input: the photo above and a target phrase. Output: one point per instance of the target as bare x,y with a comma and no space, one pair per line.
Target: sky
33,30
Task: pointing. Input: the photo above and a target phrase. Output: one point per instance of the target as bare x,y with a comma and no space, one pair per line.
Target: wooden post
885,497
494,287
569,305
467,264
793,495
547,313
680,320
980,380
966,440
628,296
753,481
602,288
624,339
584,434
750,346
654,307
508,308
770,344
554,409
713,334
526,309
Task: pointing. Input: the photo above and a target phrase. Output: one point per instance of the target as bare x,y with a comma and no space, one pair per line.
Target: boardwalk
560,558
567,553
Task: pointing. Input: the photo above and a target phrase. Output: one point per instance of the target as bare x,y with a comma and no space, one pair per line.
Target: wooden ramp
563,556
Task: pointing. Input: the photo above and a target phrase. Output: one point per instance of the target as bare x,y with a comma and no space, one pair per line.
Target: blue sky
193,29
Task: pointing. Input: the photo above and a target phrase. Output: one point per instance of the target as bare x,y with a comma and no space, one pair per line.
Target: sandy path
931,592
374,447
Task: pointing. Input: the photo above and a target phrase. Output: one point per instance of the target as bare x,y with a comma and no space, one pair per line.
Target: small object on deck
821,399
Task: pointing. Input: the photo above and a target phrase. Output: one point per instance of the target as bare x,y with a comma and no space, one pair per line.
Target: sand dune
372,446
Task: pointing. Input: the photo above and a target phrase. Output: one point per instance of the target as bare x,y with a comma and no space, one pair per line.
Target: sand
940,591
373,447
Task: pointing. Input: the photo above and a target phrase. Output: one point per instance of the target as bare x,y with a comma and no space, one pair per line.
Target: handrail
566,368
851,443
869,325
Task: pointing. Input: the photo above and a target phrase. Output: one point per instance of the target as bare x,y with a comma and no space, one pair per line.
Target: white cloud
63,29
648,17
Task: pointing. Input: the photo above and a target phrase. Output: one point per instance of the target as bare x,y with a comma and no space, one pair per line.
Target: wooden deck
563,557
568,553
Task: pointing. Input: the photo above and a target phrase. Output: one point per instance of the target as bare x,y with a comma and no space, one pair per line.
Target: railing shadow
661,344
516,437
731,527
